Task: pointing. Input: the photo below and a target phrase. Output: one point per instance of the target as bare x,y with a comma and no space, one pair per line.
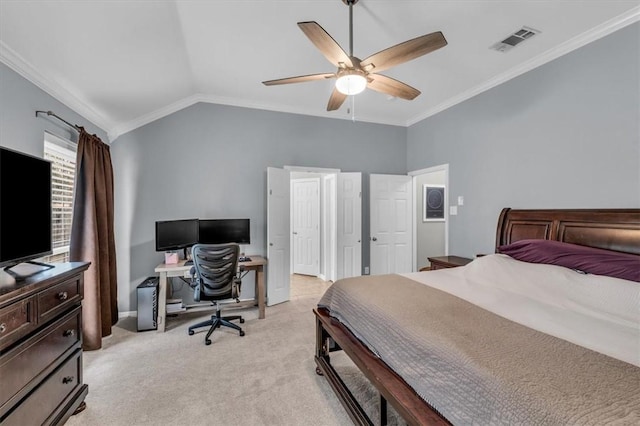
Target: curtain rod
75,126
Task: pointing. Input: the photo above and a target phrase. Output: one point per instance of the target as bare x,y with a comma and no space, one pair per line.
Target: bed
557,344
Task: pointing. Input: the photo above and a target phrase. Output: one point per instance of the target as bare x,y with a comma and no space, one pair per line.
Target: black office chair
215,276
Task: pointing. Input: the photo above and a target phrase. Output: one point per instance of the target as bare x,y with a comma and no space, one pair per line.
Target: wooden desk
181,270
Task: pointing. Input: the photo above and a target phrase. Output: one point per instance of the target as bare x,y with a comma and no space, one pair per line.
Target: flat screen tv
221,231
176,234
25,208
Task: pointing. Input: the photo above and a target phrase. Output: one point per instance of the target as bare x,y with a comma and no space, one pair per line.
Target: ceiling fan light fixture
351,83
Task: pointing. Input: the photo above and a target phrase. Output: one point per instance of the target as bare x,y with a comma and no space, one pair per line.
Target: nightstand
443,262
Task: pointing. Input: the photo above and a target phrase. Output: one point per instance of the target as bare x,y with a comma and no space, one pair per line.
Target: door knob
271,244
374,239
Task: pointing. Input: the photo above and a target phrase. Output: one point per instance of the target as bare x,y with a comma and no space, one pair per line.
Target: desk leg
162,302
261,295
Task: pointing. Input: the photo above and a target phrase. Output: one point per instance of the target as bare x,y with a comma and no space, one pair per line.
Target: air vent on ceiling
512,40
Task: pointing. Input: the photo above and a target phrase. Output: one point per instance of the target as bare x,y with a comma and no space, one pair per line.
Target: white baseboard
127,314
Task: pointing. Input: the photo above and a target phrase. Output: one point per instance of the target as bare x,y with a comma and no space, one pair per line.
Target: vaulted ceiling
122,64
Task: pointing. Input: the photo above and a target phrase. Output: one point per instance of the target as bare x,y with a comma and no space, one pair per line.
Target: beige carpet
266,377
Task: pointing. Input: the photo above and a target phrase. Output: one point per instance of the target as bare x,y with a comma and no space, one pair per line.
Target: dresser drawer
56,299
17,320
22,367
44,402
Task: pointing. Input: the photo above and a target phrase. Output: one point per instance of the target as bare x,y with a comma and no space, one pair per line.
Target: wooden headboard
611,229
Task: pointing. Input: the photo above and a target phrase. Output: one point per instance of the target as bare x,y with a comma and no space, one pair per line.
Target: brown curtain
92,238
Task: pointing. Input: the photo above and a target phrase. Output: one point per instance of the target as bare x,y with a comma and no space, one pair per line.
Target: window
62,154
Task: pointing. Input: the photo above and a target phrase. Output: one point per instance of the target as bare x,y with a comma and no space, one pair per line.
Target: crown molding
114,130
154,115
606,28
221,100
18,64
295,110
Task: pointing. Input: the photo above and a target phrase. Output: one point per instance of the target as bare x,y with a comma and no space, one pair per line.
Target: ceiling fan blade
299,79
325,43
404,52
336,100
383,84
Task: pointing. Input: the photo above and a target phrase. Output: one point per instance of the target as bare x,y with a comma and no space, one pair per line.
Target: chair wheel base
207,342
191,332
241,320
241,333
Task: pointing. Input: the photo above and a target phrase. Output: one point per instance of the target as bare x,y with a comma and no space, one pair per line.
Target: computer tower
148,304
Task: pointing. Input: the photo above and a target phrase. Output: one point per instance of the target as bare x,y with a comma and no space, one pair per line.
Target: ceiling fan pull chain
353,109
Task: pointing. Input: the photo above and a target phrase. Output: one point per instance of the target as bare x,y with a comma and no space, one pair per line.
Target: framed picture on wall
433,203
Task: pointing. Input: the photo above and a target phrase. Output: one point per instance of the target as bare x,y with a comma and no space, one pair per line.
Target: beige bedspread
476,367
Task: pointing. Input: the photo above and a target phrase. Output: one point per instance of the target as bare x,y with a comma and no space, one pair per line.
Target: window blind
62,154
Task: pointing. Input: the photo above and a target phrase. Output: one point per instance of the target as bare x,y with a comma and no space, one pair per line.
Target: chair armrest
194,281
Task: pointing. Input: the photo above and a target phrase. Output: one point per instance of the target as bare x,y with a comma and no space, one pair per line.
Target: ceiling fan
354,74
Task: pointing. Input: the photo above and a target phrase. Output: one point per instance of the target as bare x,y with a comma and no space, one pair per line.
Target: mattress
477,366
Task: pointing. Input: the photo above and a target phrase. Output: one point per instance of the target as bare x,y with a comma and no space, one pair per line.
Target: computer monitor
176,234
221,231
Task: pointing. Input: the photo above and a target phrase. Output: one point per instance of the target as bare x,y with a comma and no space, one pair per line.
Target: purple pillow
585,259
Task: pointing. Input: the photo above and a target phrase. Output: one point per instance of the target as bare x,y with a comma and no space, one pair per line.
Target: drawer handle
63,295
68,333
3,327
68,379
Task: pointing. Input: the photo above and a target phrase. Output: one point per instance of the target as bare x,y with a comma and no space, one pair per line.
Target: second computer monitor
221,231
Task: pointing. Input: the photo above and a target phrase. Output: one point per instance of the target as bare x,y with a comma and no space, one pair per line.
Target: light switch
453,210
460,200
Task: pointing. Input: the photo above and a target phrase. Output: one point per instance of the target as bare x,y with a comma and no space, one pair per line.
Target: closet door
391,200
278,236
349,225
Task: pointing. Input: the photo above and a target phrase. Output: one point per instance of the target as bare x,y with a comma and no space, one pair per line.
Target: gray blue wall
20,129
430,236
210,161
564,135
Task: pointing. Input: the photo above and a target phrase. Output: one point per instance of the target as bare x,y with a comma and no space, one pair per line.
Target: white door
349,225
278,250
329,227
391,224
305,198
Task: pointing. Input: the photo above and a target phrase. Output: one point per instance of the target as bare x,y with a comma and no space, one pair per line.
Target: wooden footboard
331,335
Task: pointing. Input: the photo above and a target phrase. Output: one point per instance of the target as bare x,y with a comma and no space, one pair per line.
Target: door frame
319,212
328,266
417,192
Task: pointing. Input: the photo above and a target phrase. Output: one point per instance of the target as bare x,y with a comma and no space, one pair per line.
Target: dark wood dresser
41,346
